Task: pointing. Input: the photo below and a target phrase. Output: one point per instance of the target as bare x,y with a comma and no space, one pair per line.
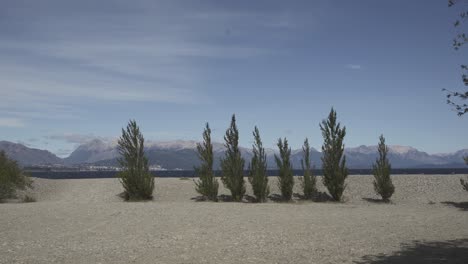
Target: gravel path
84,221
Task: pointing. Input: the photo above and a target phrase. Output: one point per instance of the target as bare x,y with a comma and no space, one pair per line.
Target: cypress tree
136,179
258,169
207,185
381,168
308,181
285,179
333,159
232,164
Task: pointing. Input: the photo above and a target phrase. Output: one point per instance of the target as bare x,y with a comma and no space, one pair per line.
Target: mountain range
181,154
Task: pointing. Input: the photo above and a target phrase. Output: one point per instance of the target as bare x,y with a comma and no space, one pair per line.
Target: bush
333,160
232,164
28,199
258,169
207,185
285,179
382,182
136,179
308,181
11,177
463,183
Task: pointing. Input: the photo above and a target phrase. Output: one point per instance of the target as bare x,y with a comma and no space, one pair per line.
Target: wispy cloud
353,66
11,122
133,52
74,138
63,152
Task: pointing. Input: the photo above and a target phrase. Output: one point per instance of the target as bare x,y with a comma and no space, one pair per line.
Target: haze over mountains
183,155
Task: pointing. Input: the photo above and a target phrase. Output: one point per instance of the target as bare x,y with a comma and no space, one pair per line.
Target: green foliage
28,199
333,159
463,183
11,177
285,179
207,185
232,164
136,179
458,99
308,181
258,169
382,182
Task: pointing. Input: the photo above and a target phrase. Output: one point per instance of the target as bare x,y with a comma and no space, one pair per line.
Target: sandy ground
84,221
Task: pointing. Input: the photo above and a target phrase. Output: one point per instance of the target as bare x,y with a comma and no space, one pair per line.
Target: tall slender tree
136,179
285,179
308,181
258,169
232,164
333,158
207,185
381,168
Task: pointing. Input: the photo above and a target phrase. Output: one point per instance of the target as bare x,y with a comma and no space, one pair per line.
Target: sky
71,71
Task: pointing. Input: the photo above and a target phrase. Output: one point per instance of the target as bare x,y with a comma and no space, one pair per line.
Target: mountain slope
28,156
173,156
93,151
183,155
399,156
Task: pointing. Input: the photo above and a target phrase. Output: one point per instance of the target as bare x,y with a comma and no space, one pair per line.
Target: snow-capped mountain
93,151
182,154
175,145
400,157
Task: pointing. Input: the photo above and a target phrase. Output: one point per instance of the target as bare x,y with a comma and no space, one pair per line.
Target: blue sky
74,70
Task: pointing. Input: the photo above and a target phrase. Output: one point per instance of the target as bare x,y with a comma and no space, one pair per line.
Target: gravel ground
84,221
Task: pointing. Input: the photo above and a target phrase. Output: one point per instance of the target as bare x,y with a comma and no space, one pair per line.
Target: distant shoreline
190,173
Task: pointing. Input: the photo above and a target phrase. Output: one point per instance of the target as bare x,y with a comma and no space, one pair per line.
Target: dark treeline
190,173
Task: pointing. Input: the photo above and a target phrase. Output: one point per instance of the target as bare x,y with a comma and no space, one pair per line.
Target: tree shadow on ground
199,198
301,197
418,252
250,198
122,195
322,197
463,206
373,200
225,198
316,197
276,198
221,198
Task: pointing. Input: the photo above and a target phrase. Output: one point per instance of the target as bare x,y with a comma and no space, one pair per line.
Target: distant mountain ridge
181,154
28,156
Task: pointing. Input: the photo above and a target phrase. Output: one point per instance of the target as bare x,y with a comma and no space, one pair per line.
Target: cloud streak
74,138
133,52
11,122
353,66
